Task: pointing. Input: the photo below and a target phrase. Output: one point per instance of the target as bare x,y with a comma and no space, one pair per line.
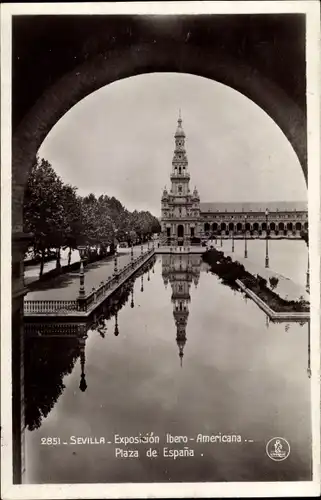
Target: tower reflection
181,271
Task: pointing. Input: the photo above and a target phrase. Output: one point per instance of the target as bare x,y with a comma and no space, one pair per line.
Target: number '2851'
50,441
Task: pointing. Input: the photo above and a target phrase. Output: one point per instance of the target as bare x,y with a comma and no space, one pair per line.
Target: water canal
178,353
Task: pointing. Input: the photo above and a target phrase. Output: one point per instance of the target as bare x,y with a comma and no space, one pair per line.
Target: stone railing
50,306
95,296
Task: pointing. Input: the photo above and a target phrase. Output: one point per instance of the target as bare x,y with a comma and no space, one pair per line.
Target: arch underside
118,64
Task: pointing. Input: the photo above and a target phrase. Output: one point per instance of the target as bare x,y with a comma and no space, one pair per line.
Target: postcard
160,249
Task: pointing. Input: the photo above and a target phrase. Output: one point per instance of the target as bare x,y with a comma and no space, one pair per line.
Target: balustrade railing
50,306
55,306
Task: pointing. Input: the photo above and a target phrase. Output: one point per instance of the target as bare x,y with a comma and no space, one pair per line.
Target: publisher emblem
278,449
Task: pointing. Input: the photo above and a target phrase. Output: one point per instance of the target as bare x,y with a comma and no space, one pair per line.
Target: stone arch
214,226
223,226
281,226
231,226
207,227
139,59
272,226
255,226
298,226
247,226
289,226
239,226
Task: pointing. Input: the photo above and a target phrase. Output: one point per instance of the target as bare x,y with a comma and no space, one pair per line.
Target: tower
179,207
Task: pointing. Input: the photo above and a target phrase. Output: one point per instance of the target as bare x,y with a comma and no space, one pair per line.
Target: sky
119,141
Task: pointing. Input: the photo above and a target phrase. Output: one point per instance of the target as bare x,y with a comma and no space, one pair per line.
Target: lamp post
132,254
308,274
115,264
309,352
115,239
245,238
266,240
142,283
233,234
82,253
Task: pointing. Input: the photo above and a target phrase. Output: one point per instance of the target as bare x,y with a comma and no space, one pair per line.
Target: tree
72,219
44,209
58,218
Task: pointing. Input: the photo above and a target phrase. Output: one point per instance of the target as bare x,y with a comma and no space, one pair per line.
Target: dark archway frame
141,59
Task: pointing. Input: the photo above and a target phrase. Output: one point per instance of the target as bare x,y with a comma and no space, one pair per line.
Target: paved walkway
286,288
31,273
66,286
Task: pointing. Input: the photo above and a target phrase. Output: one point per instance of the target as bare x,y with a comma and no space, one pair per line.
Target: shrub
230,271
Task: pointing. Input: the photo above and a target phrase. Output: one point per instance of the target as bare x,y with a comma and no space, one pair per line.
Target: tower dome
179,131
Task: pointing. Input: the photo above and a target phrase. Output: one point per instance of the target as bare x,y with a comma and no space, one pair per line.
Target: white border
311,9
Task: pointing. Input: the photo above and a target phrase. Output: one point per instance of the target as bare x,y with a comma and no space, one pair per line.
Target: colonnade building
186,220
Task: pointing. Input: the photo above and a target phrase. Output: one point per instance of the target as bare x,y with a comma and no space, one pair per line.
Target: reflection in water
116,331
82,346
119,373
47,360
180,271
52,349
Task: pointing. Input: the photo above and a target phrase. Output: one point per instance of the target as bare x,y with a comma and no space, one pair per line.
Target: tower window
179,170
179,189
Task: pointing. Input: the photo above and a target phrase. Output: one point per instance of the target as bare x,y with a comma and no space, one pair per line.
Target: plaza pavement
286,287
66,286
31,273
